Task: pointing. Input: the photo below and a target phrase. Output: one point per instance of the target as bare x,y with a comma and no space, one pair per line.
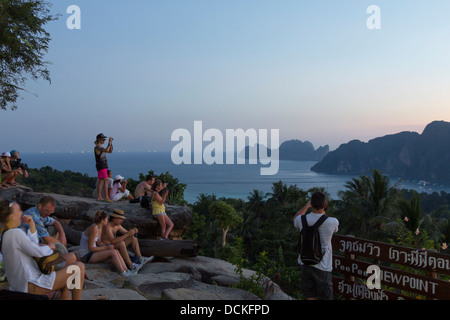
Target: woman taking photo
159,210
20,248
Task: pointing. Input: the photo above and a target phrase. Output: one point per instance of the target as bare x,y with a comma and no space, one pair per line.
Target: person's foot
129,273
144,260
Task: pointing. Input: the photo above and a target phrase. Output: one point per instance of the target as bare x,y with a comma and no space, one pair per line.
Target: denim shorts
86,257
316,283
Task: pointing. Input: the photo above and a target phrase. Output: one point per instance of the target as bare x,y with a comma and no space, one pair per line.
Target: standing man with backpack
316,253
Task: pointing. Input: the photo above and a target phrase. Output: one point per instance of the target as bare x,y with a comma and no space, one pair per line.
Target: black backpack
309,244
146,202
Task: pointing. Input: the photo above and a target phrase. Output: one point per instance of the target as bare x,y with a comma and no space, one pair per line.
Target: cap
118,177
6,154
101,136
118,214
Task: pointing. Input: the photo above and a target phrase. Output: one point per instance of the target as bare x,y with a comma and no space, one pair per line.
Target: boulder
175,279
78,213
183,276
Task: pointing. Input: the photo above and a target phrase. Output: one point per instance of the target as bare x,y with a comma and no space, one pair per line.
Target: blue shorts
86,257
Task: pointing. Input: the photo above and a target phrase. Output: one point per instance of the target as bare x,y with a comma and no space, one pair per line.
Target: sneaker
135,267
129,273
144,260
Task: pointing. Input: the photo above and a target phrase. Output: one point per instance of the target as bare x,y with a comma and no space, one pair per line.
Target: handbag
48,263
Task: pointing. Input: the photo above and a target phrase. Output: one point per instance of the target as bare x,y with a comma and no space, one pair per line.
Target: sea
222,180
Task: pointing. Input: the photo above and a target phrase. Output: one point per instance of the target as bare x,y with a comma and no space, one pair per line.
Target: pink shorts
102,174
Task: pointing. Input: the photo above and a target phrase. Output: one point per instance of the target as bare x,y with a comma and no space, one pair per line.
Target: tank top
100,159
84,249
157,207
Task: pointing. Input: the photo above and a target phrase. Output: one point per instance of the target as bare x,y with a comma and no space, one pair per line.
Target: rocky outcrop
197,278
78,213
409,155
188,277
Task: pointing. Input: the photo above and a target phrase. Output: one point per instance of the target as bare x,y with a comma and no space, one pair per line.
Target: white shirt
18,250
326,230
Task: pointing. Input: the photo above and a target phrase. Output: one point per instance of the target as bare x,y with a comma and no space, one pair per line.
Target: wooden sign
422,285
359,291
421,259
386,258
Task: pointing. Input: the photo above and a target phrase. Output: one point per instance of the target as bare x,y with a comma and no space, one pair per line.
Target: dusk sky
138,70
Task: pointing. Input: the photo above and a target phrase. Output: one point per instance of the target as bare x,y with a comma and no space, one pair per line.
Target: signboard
359,291
425,284
423,259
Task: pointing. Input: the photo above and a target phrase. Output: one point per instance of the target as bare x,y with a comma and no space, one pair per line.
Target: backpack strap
304,223
320,221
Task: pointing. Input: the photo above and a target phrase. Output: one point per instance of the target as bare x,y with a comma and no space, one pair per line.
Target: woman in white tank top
94,251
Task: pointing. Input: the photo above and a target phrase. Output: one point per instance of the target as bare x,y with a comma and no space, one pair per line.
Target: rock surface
78,213
174,279
179,278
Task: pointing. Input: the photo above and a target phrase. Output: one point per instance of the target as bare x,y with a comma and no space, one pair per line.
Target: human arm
91,233
62,235
303,210
124,234
123,186
109,147
161,198
28,243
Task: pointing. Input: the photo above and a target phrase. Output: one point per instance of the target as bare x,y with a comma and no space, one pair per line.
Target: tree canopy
23,44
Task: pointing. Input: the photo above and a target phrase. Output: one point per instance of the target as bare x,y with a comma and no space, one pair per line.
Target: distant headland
408,155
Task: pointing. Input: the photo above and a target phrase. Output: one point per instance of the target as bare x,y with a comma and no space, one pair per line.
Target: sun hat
118,214
101,136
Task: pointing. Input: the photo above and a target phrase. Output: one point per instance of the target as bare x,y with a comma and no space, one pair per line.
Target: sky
138,70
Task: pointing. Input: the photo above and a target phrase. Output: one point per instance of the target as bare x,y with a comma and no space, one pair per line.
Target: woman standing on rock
92,250
19,249
101,165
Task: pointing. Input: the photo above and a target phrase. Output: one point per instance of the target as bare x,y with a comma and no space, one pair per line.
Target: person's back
326,231
316,281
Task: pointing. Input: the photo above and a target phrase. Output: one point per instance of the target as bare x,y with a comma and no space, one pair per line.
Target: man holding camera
316,282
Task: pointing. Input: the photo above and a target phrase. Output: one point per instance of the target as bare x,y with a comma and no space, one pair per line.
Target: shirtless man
116,235
144,188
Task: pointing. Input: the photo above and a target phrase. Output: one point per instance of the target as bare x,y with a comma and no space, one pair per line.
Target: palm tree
411,212
367,204
256,202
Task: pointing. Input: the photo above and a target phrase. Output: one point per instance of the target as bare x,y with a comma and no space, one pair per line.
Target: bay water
234,181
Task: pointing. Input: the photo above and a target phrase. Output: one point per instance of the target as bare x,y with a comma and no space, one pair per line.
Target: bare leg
99,189
169,226
61,279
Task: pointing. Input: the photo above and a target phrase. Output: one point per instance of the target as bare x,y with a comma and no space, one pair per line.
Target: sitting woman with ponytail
19,249
92,250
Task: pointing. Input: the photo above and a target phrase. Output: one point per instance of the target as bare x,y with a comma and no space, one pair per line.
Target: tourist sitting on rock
144,188
49,230
102,191
92,250
8,174
41,216
159,196
119,189
20,248
16,163
116,235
